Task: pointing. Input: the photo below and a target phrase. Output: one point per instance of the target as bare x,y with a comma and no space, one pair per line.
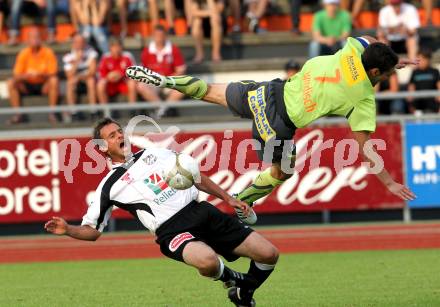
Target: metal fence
108,108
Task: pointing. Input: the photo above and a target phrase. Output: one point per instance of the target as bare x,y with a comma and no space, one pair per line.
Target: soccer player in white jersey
186,230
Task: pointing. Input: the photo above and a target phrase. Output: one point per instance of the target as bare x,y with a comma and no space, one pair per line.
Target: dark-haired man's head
116,46
292,68
78,42
424,56
159,36
379,61
110,131
34,38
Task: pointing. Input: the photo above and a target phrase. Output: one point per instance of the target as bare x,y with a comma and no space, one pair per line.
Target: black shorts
33,89
398,46
426,105
201,222
263,102
81,88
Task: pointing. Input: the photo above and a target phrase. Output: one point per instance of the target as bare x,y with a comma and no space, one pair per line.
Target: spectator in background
256,10
112,80
91,16
170,12
295,13
29,7
355,7
398,24
4,12
165,58
55,7
207,11
331,27
170,7
390,106
235,8
425,77
427,6
291,68
125,8
80,69
37,7
35,73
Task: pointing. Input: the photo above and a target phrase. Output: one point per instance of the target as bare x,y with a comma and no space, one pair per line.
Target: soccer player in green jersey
340,84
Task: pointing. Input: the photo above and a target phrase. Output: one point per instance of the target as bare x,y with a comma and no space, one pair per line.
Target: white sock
264,267
220,269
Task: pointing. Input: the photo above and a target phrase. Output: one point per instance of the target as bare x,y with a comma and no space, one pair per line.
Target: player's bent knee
202,257
208,262
208,265
267,255
270,255
53,81
11,83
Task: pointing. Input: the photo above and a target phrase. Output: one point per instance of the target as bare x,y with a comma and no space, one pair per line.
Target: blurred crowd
99,78
96,63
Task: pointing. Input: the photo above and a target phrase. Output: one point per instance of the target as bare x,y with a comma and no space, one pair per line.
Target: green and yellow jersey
333,85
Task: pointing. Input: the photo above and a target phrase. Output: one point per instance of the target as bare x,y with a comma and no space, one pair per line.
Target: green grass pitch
373,278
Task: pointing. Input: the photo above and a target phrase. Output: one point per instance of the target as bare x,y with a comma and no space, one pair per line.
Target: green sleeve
347,23
363,116
317,22
353,43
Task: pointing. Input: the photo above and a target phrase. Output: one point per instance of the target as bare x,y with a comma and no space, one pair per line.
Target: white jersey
88,55
408,17
138,187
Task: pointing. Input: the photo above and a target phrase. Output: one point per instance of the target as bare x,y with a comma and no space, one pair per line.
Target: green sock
262,186
190,86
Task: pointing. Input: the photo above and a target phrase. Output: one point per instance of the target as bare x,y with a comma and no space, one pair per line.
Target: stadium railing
121,106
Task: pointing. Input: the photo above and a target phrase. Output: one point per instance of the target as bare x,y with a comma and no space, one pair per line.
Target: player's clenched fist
235,203
56,226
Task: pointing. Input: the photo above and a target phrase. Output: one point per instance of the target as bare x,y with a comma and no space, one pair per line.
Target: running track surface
294,240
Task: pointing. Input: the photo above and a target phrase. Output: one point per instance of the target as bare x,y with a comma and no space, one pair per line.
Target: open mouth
122,145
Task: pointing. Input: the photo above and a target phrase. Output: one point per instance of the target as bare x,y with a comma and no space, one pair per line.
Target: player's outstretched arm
208,186
59,226
405,62
394,187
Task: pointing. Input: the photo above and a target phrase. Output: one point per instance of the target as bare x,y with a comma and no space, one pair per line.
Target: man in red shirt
162,56
112,79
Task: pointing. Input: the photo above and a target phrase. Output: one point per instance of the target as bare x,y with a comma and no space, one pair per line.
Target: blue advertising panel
423,163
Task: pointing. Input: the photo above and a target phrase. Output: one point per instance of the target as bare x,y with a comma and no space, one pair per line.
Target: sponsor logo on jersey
178,240
127,178
352,68
150,159
309,104
160,188
156,183
257,104
164,196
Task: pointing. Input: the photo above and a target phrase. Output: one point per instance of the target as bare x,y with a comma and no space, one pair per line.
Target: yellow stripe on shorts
257,104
